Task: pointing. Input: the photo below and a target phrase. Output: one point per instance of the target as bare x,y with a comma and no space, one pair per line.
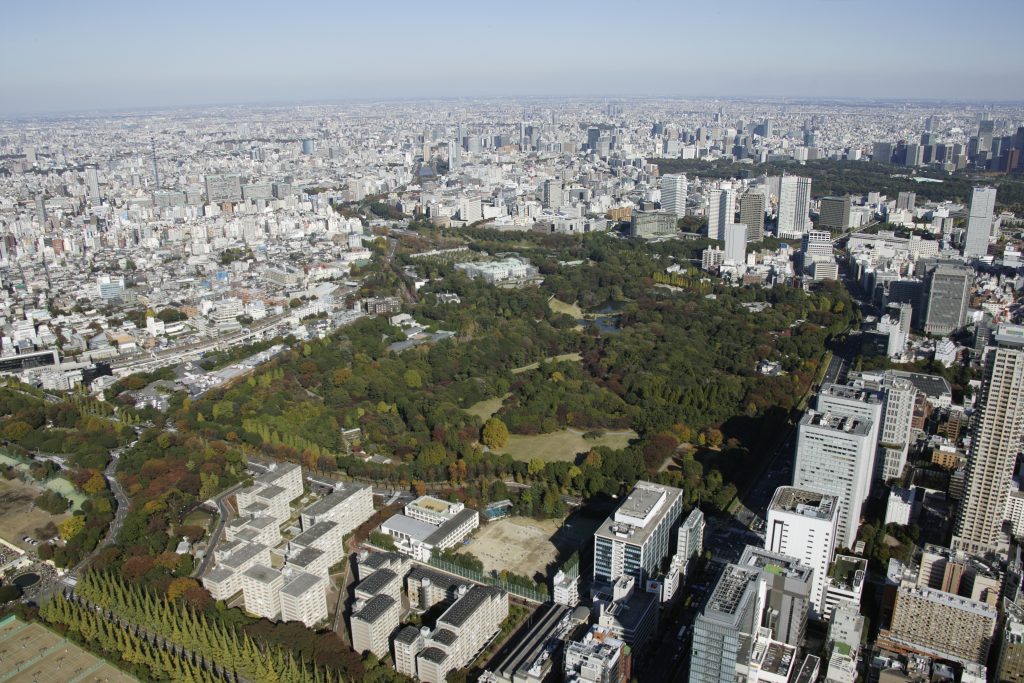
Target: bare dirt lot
18,516
521,545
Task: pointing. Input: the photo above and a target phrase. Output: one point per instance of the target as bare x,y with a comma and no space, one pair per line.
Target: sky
70,55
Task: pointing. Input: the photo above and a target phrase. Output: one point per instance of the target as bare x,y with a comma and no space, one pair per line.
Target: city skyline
228,53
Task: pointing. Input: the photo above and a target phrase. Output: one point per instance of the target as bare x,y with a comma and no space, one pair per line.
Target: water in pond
24,581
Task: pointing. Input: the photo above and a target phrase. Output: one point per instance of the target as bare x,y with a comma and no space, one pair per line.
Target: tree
413,380
495,433
179,586
71,527
95,484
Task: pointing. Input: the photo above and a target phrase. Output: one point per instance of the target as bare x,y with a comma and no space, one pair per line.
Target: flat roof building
637,537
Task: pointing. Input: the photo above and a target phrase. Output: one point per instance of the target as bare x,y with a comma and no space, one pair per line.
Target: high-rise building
736,243
724,631
856,400
979,222
834,455
787,583
948,625
752,209
905,201
834,213
552,194
949,287
897,421
794,207
995,442
721,208
221,188
673,194
637,537
93,182
882,152
803,524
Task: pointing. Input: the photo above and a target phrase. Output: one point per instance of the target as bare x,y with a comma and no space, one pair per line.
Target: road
224,516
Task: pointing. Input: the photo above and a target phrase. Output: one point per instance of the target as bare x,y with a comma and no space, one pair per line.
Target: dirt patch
518,544
18,515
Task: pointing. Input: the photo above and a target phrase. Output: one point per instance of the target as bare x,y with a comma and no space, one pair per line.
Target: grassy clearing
18,516
484,409
574,357
559,306
564,444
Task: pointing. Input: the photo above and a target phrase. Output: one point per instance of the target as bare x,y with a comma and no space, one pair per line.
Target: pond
26,580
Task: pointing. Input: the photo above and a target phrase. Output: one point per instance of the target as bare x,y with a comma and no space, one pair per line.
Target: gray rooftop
300,583
836,423
457,520
929,385
459,613
407,634
374,608
305,557
376,582
804,502
242,554
638,504
443,636
313,533
262,574
434,654
736,586
332,500
413,528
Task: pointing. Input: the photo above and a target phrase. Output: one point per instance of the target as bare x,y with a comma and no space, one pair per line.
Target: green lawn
564,444
484,409
574,356
559,306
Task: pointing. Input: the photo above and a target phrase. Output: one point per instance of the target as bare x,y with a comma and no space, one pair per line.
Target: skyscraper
948,286
979,222
834,455
905,201
721,208
752,208
93,182
736,242
552,194
834,213
995,441
673,193
802,524
794,206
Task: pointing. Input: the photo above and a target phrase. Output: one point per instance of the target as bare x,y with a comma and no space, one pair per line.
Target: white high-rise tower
794,207
979,222
673,194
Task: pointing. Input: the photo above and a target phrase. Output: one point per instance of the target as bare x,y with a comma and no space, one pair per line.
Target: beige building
408,643
271,493
373,621
349,505
942,623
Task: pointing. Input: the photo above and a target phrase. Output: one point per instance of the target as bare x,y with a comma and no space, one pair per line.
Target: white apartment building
304,598
834,455
349,505
461,632
803,524
261,591
233,560
271,493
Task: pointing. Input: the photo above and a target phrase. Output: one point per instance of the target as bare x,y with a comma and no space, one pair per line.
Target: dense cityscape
511,389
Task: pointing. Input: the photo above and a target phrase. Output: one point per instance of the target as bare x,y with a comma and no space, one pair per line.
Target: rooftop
460,612
638,514
803,502
836,423
262,574
300,583
433,654
374,608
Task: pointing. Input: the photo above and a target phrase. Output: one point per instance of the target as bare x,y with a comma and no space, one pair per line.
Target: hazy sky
68,55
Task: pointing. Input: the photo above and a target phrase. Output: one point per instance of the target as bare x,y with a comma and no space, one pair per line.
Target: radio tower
156,171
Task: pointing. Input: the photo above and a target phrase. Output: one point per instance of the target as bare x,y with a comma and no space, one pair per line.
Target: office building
787,586
948,286
995,442
845,582
552,196
942,624
599,657
690,539
724,631
736,243
223,188
626,610
803,524
753,205
651,223
721,211
979,222
110,288
834,213
673,194
637,537
856,399
834,455
905,201
1010,666
794,207
93,182
882,152
897,423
